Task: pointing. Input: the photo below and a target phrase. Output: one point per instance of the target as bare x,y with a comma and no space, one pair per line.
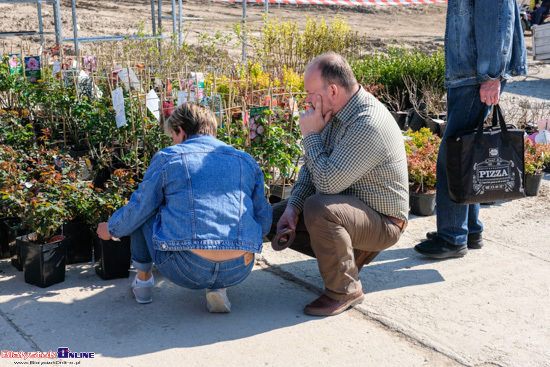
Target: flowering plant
422,148
536,157
90,63
32,64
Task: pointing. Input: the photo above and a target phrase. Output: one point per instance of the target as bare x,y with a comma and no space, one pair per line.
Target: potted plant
537,155
111,257
76,197
422,149
44,250
273,140
14,194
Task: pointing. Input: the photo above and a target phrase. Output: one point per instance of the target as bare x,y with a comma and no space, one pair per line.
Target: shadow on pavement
116,326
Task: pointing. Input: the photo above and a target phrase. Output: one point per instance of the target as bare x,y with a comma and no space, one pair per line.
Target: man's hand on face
312,120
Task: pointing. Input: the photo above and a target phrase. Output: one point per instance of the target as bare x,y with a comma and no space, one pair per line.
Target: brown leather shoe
326,306
363,258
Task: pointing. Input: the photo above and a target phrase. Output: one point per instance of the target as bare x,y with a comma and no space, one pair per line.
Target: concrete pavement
489,308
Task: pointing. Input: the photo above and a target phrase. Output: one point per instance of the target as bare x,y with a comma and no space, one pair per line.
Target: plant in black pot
14,194
77,198
422,148
44,250
428,108
537,155
112,257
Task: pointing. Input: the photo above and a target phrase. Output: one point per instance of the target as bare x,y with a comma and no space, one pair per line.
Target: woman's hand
103,231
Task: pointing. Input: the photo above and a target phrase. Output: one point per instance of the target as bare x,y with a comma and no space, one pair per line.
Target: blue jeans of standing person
455,221
185,268
536,16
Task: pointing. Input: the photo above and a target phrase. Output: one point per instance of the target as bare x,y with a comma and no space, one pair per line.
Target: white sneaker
217,301
143,290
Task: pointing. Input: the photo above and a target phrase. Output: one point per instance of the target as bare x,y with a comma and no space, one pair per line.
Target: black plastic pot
79,249
112,258
422,204
433,126
10,232
277,193
401,119
4,243
43,265
532,184
415,121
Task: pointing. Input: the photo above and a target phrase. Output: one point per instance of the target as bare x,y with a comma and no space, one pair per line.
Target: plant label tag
128,77
198,81
183,97
15,64
56,68
32,68
118,105
152,102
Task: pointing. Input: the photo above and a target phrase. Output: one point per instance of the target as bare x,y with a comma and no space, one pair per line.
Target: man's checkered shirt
360,152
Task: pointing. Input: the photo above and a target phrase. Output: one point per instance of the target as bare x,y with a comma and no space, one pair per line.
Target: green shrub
284,43
401,64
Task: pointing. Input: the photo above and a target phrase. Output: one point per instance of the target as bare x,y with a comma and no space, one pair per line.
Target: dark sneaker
438,248
475,240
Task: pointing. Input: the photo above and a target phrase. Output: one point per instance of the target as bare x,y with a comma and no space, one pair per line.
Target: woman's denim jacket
205,195
483,41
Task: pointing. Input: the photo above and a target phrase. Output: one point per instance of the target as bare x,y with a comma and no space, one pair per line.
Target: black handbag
486,164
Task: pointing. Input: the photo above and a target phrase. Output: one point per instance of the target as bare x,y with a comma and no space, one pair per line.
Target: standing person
540,8
483,48
199,214
351,196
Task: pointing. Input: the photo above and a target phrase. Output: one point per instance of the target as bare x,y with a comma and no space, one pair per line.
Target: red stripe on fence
344,2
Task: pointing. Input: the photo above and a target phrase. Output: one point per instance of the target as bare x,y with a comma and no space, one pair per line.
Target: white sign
152,102
56,68
127,76
183,97
118,105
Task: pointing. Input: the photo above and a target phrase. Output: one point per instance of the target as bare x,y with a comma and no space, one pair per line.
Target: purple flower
252,135
260,129
89,63
32,64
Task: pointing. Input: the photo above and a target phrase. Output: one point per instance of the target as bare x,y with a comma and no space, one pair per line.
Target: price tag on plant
15,64
127,76
152,102
32,68
183,97
118,105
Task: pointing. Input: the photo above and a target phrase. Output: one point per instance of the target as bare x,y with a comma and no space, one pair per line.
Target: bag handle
497,116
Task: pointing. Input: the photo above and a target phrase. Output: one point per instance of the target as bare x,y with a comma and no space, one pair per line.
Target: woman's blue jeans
185,268
455,221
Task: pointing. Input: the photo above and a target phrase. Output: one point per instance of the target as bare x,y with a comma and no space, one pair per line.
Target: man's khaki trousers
333,226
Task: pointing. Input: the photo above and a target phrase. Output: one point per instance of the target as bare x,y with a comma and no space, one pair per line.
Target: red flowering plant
422,148
537,155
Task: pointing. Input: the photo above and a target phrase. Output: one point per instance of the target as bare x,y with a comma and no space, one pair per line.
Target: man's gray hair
335,70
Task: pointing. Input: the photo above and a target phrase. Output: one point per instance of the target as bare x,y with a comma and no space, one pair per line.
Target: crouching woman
199,214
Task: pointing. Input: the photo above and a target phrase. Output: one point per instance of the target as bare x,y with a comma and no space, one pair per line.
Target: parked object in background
541,42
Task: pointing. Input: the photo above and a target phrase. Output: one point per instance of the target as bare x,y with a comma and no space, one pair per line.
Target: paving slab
489,308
